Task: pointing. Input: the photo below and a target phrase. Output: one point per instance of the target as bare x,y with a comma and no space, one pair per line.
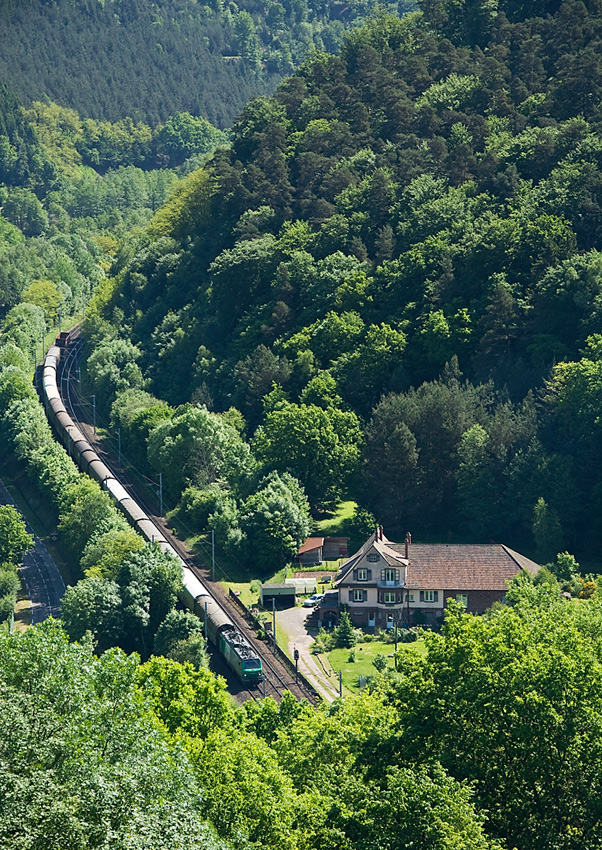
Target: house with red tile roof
386,583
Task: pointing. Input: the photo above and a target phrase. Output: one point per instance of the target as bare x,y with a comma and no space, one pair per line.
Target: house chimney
380,531
408,541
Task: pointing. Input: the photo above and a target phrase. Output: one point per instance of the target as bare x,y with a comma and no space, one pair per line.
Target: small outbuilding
284,595
303,585
316,550
311,552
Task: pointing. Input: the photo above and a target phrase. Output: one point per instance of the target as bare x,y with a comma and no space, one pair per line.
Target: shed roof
310,544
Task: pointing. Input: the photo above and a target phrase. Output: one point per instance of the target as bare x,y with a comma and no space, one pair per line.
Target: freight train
226,637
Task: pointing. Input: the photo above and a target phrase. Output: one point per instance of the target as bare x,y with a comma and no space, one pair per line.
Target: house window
462,598
389,598
358,595
429,595
373,557
409,597
362,575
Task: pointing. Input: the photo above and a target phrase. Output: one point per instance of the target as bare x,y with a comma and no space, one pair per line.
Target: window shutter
436,596
400,597
369,574
355,575
422,595
380,596
364,595
382,575
351,596
396,576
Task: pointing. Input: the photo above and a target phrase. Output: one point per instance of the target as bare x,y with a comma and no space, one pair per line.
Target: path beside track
43,580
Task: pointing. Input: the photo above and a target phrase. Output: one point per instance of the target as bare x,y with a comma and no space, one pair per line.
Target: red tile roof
462,566
310,544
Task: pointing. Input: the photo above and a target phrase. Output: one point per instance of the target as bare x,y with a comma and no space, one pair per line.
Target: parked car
313,600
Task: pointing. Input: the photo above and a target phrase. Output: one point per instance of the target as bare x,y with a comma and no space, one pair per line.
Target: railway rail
277,678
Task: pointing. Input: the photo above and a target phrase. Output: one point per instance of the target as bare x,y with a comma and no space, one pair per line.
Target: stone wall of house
478,600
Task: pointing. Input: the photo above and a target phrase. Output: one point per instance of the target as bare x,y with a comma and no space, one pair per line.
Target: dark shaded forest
118,58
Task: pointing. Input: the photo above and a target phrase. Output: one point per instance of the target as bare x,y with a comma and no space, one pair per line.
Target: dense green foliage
21,159
490,740
84,764
126,611
14,542
517,711
116,58
406,235
69,141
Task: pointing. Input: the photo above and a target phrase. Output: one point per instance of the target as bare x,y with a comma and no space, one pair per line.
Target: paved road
44,583
293,621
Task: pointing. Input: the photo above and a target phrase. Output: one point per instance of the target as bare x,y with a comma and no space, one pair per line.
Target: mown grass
247,596
248,591
365,653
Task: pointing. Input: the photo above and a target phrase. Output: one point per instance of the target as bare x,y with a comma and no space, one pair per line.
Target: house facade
386,583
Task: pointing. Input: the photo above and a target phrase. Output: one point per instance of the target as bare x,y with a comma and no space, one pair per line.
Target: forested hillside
394,273
109,59
387,287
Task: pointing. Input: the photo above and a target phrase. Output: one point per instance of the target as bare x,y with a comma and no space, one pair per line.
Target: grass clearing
248,591
365,653
330,526
245,591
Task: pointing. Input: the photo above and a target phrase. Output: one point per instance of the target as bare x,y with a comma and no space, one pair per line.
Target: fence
279,653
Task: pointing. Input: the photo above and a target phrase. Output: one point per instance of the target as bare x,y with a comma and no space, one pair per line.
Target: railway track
277,678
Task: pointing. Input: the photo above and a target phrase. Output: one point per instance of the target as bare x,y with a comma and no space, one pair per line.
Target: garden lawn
243,591
248,591
365,653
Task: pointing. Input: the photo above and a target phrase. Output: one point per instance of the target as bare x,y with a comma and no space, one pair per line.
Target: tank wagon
223,633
